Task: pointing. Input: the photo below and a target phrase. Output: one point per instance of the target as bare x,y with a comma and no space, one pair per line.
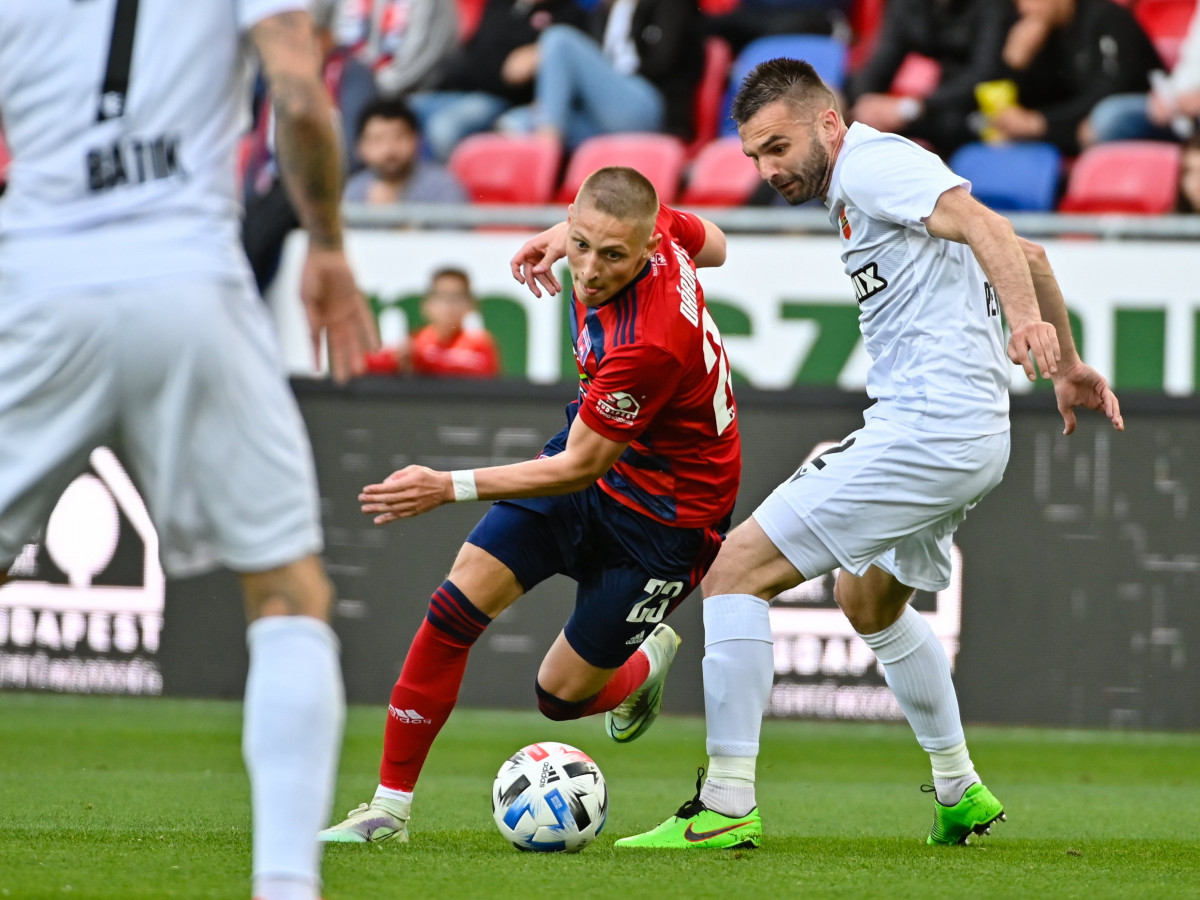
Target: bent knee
555,708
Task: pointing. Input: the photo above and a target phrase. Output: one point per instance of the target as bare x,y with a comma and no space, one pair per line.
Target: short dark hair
392,108
451,272
781,78
621,192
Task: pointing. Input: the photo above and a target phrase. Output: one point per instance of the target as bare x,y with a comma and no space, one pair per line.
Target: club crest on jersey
844,223
618,406
583,345
867,282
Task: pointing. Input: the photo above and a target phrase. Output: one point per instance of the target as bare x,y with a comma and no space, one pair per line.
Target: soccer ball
549,797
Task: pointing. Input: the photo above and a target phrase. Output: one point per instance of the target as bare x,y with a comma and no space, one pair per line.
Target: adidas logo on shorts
637,638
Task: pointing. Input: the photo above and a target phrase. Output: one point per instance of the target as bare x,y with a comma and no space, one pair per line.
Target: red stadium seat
469,14
1124,177
866,16
659,157
1166,22
497,168
706,109
722,175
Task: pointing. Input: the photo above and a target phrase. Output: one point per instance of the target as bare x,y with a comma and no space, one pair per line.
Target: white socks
918,672
739,668
397,803
292,733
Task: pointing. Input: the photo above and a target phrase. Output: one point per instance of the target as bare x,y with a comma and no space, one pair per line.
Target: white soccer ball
549,797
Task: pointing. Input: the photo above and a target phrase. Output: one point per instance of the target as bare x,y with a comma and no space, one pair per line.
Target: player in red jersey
630,499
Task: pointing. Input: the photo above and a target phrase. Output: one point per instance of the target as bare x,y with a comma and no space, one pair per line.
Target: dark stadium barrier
1074,600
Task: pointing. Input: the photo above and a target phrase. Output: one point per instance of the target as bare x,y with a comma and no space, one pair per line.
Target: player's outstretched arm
958,216
308,157
416,489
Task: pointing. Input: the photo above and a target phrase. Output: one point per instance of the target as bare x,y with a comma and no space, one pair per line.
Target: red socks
427,689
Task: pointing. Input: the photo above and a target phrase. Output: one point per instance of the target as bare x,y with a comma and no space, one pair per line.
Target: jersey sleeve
686,230
251,12
633,384
895,180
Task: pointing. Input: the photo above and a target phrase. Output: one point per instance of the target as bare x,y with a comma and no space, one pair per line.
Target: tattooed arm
307,151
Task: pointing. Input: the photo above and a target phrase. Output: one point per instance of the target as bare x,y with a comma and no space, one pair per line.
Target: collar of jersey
624,292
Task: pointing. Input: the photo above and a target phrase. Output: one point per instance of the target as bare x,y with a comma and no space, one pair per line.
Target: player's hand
1081,385
337,311
533,264
1034,347
411,491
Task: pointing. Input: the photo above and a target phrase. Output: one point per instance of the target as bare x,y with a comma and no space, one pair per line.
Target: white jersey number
714,355
659,593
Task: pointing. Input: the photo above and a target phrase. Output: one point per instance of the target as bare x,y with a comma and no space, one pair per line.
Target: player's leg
914,663
614,654
215,438
509,548
293,717
738,672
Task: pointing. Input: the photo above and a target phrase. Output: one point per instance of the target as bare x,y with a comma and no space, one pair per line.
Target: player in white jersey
932,269
127,314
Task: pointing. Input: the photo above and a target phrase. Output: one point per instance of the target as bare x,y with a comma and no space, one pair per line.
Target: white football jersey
123,118
930,321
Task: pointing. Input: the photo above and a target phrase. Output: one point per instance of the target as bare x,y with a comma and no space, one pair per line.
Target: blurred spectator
964,37
402,40
493,71
389,141
637,73
1189,178
1169,112
269,215
753,19
453,343
1067,56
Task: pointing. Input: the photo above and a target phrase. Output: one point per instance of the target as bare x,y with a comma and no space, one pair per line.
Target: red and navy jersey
653,372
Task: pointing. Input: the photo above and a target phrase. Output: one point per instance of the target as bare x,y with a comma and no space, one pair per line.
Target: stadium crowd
1012,93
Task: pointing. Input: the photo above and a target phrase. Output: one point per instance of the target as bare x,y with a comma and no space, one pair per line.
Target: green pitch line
115,798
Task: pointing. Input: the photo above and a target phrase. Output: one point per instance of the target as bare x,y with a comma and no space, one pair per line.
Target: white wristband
464,485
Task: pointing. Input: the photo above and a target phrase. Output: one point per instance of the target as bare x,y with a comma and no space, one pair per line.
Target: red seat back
659,157
1166,22
1124,177
721,175
710,90
497,168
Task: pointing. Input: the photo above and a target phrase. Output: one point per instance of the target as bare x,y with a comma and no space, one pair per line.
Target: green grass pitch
124,798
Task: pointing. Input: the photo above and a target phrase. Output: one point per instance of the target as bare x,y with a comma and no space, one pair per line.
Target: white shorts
183,379
888,496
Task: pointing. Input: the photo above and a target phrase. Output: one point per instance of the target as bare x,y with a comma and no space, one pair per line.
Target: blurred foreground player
630,499
932,268
129,316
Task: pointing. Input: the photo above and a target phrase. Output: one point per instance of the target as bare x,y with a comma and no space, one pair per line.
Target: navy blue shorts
632,571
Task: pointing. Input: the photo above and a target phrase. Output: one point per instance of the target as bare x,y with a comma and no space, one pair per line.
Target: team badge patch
844,223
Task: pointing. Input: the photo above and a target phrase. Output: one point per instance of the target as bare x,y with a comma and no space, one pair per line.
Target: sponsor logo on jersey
133,160
844,223
619,406
408,716
867,282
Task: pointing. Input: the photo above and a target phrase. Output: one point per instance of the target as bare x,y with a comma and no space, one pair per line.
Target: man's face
787,150
604,253
388,147
447,303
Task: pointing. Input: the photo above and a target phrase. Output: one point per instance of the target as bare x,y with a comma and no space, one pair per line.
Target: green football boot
973,814
695,826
